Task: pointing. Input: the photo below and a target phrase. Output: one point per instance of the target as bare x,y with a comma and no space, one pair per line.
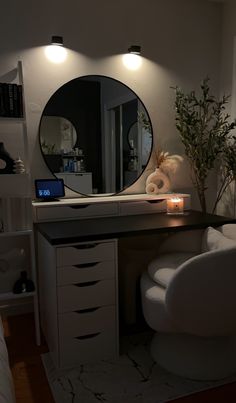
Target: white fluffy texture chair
189,299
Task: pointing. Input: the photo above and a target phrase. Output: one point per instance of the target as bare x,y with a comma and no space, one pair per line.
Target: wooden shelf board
15,233
14,185
11,120
10,295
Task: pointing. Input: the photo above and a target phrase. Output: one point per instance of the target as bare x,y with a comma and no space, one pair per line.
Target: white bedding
7,394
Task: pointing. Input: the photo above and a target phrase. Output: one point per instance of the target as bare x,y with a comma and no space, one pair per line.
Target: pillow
213,239
229,230
162,268
164,276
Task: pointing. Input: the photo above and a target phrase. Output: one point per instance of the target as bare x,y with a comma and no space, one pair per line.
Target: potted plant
205,132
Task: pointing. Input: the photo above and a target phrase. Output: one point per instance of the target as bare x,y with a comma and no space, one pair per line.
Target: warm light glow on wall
55,52
133,60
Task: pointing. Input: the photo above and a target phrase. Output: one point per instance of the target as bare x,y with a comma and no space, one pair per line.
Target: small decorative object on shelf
159,181
23,284
19,167
175,205
6,162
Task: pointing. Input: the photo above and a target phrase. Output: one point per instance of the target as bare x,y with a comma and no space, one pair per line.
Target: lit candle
175,205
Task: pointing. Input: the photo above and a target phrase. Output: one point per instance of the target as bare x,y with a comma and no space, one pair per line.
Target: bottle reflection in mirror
73,165
133,158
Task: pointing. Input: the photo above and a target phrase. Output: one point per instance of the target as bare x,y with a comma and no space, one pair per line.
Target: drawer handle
86,246
87,284
79,206
155,201
87,336
85,265
87,310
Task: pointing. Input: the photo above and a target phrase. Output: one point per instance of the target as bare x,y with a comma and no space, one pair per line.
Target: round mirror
96,134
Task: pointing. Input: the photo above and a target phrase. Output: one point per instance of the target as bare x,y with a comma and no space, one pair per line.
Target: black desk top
63,232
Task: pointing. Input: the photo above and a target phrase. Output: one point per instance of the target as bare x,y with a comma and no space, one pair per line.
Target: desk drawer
85,253
88,348
86,295
74,211
85,272
142,207
86,321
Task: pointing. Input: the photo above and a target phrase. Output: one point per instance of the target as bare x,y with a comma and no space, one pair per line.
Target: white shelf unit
16,213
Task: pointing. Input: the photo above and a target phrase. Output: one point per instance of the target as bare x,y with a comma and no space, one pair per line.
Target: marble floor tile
133,378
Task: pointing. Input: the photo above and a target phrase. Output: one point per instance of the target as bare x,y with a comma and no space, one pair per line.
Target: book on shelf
11,102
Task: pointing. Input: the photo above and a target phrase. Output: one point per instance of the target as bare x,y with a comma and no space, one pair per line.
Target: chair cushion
153,304
213,239
162,269
229,230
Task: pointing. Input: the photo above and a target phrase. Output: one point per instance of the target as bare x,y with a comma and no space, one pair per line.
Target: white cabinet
78,281
73,211
79,301
80,182
99,206
17,239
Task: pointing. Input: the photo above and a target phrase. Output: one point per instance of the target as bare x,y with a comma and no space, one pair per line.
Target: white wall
180,42
228,86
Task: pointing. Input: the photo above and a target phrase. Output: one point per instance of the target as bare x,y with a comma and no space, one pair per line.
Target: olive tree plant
205,132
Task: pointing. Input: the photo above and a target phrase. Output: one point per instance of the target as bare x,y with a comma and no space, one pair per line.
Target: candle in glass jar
175,205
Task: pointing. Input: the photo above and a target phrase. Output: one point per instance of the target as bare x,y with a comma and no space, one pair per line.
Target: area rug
133,378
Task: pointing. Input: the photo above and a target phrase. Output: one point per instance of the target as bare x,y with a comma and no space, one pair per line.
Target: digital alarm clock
49,189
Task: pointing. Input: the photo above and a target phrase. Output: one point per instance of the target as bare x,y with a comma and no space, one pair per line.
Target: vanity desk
77,242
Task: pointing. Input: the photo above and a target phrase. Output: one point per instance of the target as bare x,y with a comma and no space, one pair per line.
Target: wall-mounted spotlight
56,52
135,50
133,60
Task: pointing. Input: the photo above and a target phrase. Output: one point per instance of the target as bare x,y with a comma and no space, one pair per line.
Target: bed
7,394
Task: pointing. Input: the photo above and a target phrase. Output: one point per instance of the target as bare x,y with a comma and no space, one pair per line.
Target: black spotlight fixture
57,40
135,49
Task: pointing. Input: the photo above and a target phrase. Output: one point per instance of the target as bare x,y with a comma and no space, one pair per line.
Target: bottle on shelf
23,284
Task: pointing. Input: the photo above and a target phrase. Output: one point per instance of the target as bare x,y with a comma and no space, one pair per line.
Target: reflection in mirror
62,137
96,134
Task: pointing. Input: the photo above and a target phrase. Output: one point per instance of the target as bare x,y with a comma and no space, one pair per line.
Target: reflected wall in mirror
96,134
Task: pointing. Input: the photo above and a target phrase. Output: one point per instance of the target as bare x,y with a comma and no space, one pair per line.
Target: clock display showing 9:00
44,192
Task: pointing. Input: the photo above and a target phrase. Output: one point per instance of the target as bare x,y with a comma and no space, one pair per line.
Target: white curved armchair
189,299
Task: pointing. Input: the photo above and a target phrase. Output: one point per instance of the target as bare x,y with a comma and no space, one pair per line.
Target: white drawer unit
77,266
84,272
75,211
85,253
101,206
92,330
88,348
86,295
79,301
142,207
86,321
